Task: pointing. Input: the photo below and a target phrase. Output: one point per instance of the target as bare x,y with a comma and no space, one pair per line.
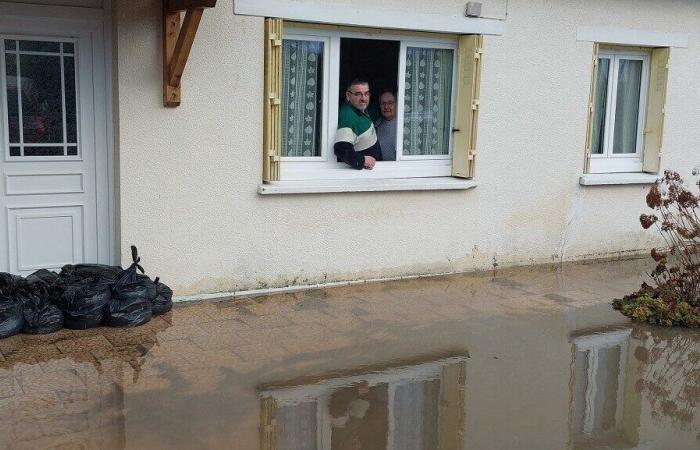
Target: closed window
626,110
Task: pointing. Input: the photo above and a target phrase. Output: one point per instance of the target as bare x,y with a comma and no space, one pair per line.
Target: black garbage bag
71,273
40,315
163,301
84,303
8,283
130,304
11,318
54,283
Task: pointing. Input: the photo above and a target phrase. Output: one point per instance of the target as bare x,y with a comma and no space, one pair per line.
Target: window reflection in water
408,408
599,389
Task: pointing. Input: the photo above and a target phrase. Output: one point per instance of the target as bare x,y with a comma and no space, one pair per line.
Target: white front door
54,204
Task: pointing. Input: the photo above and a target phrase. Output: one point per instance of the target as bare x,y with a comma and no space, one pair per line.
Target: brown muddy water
528,359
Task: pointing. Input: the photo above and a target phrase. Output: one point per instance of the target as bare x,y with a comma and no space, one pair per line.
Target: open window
434,78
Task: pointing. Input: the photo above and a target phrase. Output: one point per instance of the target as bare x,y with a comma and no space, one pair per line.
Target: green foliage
657,311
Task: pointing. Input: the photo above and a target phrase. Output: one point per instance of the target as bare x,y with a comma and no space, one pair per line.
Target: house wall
188,176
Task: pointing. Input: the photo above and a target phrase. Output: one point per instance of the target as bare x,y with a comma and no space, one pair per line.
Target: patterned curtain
302,77
427,101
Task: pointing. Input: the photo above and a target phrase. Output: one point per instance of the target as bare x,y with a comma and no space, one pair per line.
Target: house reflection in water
418,406
605,405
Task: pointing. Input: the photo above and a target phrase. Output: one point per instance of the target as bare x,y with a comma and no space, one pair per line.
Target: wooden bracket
177,42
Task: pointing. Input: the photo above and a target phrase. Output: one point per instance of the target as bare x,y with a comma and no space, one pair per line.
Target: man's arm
346,153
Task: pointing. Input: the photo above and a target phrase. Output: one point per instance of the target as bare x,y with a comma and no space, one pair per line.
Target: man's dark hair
387,91
355,81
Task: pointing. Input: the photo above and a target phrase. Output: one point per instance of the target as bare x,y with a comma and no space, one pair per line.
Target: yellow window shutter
268,424
656,105
467,108
272,115
591,110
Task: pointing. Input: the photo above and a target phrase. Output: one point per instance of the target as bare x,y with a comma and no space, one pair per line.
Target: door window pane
41,96
42,105
71,117
43,151
12,103
601,105
629,82
302,80
427,101
39,46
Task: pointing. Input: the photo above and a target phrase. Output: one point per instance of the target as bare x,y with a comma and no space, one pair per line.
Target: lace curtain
302,77
427,101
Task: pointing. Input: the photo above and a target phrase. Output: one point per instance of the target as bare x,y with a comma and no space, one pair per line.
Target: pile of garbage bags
81,296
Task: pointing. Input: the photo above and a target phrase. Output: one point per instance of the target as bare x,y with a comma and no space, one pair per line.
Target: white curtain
427,101
629,82
296,426
302,78
416,415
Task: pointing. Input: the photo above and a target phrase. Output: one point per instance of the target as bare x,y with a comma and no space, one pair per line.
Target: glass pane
580,387
601,106
72,151
12,103
302,80
606,381
68,47
43,151
11,45
71,116
39,46
15,151
359,417
416,412
42,105
427,101
296,426
629,83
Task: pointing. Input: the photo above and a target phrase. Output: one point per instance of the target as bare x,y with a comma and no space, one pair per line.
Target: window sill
370,185
598,179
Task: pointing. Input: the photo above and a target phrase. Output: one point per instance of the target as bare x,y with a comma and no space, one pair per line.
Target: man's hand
369,162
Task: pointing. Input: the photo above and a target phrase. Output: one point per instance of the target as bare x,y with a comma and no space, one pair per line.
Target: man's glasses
359,94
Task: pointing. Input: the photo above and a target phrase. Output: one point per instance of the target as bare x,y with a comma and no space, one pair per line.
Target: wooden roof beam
183,5
177,42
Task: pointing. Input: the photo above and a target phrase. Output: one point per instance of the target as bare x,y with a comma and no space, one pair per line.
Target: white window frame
609,162
321,392
593,344
326,166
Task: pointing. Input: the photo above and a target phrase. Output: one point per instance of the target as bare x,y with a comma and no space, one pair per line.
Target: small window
419,77
620,104
626,110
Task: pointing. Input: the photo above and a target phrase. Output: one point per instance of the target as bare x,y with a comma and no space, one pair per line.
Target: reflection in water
599,378
669,373
413,407
614,388
377,366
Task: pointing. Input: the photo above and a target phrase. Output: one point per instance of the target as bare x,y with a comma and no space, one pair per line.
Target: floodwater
526,359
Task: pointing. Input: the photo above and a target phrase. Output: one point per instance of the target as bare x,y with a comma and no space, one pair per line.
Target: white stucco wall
188,176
